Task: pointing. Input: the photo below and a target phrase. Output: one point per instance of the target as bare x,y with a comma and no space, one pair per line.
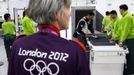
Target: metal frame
15,11
74,8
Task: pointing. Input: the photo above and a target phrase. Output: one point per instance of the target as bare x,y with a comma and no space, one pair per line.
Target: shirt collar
115,18
87,20
125,13
49,28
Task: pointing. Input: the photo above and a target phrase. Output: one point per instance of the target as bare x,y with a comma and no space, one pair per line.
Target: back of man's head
107,13
113,12
124,7
91,14
6,16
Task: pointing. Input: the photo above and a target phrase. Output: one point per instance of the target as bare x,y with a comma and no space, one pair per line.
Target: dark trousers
129,67
82,39
8,41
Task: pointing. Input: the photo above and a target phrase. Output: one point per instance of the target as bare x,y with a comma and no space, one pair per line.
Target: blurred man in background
83,26
106,21
116,26
28,26
9,32
127,37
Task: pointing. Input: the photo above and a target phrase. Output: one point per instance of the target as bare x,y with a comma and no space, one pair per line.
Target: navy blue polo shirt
81,24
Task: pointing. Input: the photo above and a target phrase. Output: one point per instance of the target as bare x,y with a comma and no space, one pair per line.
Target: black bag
75,34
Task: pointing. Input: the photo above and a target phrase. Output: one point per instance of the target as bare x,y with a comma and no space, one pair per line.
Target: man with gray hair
45,52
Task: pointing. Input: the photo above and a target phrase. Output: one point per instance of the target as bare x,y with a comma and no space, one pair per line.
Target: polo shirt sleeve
83,64
126,28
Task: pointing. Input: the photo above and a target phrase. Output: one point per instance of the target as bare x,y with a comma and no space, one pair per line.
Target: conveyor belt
101,41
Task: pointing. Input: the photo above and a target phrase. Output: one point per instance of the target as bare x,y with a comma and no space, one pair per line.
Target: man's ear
57,15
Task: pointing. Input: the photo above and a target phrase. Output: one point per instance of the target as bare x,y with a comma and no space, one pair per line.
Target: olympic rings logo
35,65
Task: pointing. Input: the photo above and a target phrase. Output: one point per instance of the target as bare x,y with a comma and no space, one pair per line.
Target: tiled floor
3,68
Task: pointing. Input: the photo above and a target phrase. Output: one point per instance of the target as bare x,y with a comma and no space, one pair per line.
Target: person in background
19,20
1,21
27,24
116,26
45,52
127,37
1,63
106,21
9,33
83,26
1,18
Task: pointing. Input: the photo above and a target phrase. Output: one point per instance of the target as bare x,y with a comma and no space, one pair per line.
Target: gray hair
42,11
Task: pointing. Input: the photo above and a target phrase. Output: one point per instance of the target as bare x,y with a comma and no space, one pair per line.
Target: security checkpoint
106,58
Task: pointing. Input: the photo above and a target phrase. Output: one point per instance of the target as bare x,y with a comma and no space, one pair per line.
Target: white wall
18,4
3,8
108,5
101,5
105,5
